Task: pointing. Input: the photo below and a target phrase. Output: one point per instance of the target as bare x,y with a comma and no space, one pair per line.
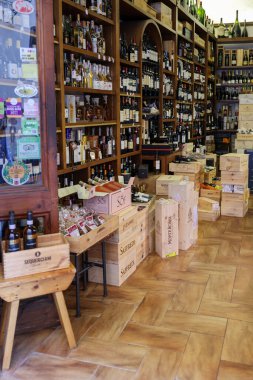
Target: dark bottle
30,233
220,58
236,28
12,236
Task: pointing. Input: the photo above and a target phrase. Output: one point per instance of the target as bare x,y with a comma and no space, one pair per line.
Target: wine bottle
12,236
30,233
201,13
236,27
221,29
244,31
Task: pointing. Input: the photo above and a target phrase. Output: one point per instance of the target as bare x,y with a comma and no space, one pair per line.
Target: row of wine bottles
229,31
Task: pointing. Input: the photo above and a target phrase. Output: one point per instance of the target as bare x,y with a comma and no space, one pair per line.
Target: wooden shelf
123,126
199,46
196,138
131,154
15,82
88,14
228,101
168,120
185,38
235,67
238,40
199,64
87,53
96,123
233,84
185,81
165,71
87,165
87,90
186,60
168,97
130,95
183,102
128,63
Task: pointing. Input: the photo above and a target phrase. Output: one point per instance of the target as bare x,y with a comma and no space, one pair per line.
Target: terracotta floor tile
201,358
187,298
220,287
152,336
238,347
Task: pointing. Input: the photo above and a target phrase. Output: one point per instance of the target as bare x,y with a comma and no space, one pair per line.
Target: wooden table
19,288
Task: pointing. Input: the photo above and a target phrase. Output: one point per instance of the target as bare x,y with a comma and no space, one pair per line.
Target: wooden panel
180,321
187,297
201,358
234,371
109,373
193,277
212,268
227,310
220,287
152,336
237,346
114,354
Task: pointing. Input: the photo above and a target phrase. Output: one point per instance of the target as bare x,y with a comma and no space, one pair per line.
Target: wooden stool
15,289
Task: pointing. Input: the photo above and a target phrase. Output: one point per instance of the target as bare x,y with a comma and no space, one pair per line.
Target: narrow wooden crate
191,167
194,177
115,252
245,99
111,202
116,273
51,253
245,124
151,242
211,194
234,178
208,204
243,144
244,137
163,181
126,224
84,242
238,209
234,162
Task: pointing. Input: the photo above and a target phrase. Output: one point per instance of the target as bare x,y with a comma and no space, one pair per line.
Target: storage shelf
128,63
130,154
237,40
87,53
87,165
185,38
87,90
196,138
96,123
199,64
168,97
165,71
131,95
186,60
123,126
199,46
233,84
168,120
185,81
88,14
184,102
248,67
228,101
16,82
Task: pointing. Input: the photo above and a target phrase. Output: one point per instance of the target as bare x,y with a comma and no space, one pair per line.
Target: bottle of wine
201,13
244,31
221,29
236,27
12,236
30,233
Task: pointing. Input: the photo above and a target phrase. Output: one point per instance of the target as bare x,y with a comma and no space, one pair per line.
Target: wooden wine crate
151,242
235,196
234,178
208,177
245,108
195,177
111,202
211,194
163,181
208,204
245,99
245,124
209,216
126,224
52,253
190,167
232,208
115,252
142,251
116,273
181,191
234,162
244,137
246,116
243,144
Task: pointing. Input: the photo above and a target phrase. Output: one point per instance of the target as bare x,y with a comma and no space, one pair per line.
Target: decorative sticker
30,71
14,107
28,148
26,91
30,126
15,174
31,107
23,6
1,108
28,55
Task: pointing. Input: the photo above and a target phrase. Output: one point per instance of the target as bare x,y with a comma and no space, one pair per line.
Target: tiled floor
185,318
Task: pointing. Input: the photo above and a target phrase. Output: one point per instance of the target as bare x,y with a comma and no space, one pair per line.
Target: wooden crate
142,251
209,216
116,273
208,204
163,181
243,144
234,178
151,242
126,224
235,196
115,252
51,253
166,228
244,137
181,191
238,208
195,177
191,167
245,108
212,155
245,99
245,124
246,116
234,162
211,194
84,242
208,177
111,202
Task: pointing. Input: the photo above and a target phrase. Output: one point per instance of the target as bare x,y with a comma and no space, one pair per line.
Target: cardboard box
191,167
234,178
234,208
234,162
116,273
126,224
166,239
211,194
208,204
110,203
163,181
115,252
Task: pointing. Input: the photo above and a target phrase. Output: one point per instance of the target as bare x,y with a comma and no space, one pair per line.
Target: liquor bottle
12,236
131,51
78,33
30,233
244,31
236,27
233,58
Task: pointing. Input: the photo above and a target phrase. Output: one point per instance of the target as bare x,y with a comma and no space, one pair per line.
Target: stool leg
104,268
12,313
3,323
64,318
84,273
78,312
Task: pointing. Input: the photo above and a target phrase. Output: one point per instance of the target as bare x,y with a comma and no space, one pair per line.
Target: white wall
215,9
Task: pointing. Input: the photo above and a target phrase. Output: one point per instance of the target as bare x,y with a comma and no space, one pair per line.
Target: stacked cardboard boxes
234,179
121,248
192,171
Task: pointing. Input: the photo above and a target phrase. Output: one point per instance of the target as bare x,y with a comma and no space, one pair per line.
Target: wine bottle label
13,245
132,57
157,164
30,241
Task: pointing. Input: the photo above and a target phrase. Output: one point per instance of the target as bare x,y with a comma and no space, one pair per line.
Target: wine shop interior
126,189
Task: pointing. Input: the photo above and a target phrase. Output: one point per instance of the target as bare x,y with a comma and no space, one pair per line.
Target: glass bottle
244,31
30,232
12,236
236,27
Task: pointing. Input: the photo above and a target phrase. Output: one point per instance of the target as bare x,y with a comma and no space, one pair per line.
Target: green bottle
201,13
236,27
